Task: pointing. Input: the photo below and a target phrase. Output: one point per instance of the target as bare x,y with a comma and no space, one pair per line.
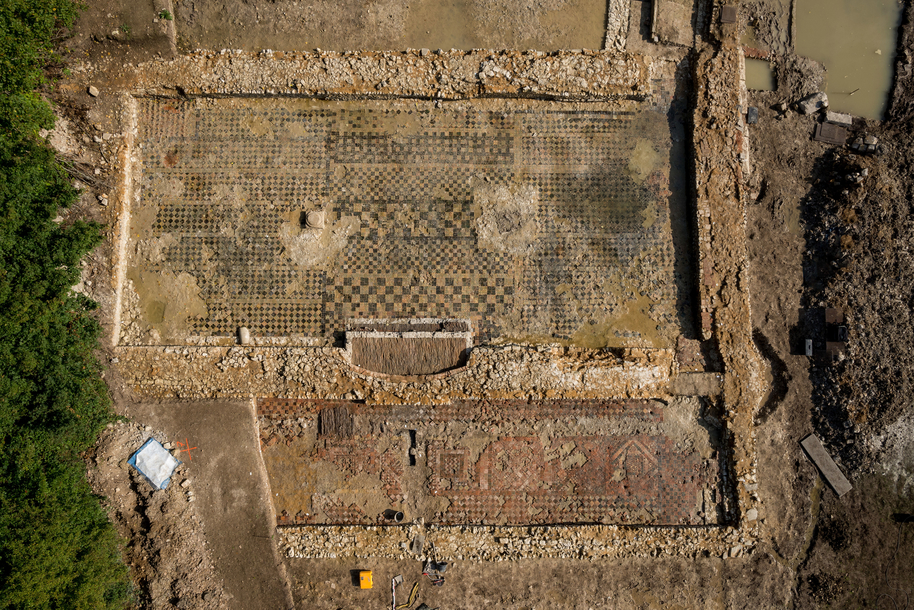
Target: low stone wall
494,543
413,73
324,373
721,137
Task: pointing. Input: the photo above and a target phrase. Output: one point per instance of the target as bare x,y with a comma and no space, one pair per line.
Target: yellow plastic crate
365,581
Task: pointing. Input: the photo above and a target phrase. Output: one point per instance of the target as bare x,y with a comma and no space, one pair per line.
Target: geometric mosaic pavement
617,468
408,192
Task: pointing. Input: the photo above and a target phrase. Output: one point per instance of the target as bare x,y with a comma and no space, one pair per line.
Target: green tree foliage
57,548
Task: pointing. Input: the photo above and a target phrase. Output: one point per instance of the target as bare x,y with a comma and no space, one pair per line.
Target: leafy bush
57,548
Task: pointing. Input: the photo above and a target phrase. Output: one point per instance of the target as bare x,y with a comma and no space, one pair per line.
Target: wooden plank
817,453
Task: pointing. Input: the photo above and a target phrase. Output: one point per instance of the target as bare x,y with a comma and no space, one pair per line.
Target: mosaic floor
530,219
555,462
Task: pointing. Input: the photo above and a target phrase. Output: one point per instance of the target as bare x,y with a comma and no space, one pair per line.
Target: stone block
728,14
813,103
830,134
752,115
845,120
315,219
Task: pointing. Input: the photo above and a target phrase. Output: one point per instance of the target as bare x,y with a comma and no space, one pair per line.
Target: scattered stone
812,103
751,514
244,336
97,139
93,91
870,140
185,483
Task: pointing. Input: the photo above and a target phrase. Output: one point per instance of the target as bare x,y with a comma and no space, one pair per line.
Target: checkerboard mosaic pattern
510,477
407,174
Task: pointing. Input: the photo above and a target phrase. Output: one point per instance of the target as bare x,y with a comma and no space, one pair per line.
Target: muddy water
759,75
856,40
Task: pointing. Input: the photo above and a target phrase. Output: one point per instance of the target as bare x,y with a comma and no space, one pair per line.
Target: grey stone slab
830,134
845,120
826,465
728,14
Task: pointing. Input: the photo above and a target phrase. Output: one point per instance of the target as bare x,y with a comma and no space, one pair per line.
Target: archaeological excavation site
582,304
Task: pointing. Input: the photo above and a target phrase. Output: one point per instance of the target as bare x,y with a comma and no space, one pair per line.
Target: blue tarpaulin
155,463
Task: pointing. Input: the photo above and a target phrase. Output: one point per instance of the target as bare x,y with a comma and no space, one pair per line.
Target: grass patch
57,547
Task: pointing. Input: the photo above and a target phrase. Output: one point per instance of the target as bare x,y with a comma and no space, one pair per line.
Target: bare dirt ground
288,25
816,236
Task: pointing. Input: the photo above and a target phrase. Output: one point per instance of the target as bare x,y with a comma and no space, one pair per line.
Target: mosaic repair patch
289,217
491,462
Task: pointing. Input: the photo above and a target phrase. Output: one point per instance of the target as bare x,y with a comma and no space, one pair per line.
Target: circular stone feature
315,219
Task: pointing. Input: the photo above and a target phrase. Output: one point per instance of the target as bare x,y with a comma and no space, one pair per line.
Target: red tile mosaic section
515,480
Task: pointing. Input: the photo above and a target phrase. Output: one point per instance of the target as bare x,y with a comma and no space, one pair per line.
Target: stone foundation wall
324,373
413,73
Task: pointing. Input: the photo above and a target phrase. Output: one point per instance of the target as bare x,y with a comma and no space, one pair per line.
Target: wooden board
816,452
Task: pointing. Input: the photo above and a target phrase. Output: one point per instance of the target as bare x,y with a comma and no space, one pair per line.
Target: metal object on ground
365,579
393,515
826,465
396,580
435,571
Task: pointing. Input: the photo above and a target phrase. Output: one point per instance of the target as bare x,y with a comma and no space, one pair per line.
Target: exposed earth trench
779,225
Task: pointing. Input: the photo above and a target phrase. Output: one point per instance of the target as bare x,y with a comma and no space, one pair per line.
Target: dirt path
230,482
